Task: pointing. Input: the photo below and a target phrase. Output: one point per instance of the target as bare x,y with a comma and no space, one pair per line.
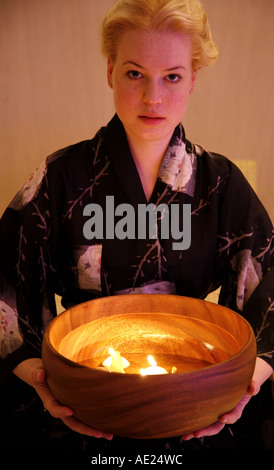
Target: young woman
154,50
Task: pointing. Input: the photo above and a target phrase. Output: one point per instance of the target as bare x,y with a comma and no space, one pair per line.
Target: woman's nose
152,94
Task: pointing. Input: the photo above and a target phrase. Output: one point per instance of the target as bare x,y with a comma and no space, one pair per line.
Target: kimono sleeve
26,296
246,252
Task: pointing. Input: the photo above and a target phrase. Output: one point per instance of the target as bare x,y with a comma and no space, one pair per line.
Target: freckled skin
152,78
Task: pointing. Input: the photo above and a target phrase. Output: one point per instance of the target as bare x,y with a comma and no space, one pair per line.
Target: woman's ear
110,67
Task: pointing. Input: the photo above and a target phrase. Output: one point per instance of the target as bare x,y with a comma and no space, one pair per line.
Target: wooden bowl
212,348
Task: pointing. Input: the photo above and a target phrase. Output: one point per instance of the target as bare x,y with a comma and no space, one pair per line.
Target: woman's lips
151,120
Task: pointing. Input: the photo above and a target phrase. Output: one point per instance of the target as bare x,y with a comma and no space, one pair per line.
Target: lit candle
115,363
153,369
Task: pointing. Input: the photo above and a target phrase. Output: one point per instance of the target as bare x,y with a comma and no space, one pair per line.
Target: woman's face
152,78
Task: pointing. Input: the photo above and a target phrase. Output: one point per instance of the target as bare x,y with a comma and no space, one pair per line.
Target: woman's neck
148,156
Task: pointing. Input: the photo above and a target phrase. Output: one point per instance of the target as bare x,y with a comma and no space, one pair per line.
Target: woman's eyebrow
175,68
129,62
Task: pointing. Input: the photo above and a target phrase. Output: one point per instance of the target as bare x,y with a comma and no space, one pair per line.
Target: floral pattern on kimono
43,249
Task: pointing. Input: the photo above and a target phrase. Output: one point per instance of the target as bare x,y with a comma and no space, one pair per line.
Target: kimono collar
177,169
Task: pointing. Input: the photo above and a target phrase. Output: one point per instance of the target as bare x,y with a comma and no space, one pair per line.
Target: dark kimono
50,244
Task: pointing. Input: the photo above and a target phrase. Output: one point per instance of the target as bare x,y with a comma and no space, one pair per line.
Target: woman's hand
261,373
31,371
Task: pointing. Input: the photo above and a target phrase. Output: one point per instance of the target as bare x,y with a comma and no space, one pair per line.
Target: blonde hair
180,16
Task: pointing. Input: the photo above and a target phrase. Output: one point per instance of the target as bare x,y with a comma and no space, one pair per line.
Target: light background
54,91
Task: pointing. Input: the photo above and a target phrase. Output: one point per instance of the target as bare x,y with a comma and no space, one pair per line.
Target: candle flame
153,369
115,362
152,361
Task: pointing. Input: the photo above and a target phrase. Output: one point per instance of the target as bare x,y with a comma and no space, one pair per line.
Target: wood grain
152,406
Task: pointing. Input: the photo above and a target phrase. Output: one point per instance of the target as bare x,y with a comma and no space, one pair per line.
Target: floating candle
153,369
115,362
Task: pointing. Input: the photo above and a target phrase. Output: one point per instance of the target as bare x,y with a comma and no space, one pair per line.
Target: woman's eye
134,74
173,77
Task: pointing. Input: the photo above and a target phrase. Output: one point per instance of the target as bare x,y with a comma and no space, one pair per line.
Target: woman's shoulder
67,166
75,153
212,160
214,164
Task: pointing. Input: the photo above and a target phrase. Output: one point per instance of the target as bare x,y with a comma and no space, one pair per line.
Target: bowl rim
75,364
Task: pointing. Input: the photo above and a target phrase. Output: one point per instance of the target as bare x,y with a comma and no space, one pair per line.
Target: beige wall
53,85
232,109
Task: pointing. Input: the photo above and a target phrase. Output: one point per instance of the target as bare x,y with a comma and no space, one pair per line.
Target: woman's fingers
236,413
48,399
211,430
82,428
60,411
228,418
